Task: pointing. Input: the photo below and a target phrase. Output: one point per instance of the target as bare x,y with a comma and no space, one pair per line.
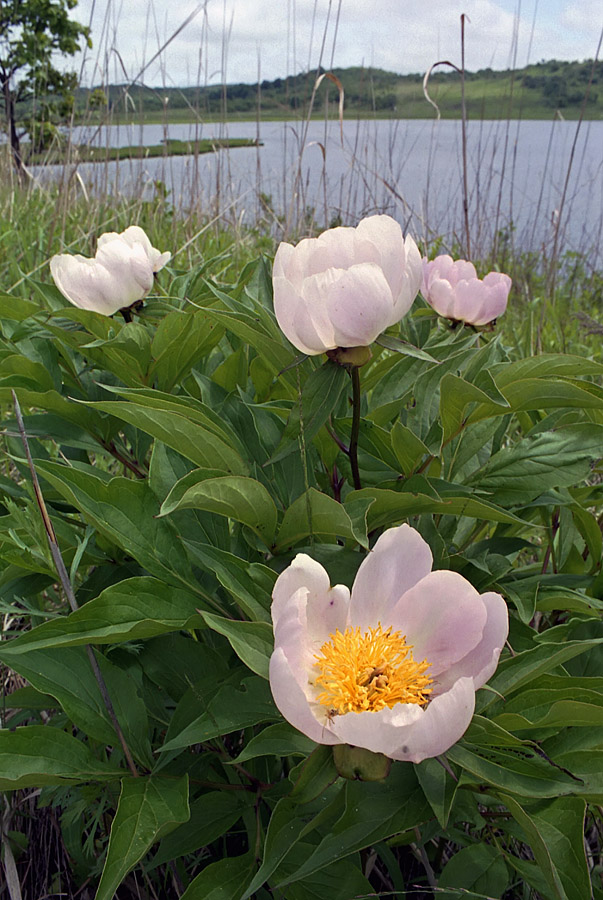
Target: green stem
355,427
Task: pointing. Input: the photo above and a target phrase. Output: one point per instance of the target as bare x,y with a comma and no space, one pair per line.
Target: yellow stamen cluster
369,671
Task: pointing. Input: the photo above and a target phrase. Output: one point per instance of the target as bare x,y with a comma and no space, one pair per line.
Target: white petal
380,732
359,304
399,559
443,618
326,607
293,703
481,662
442,724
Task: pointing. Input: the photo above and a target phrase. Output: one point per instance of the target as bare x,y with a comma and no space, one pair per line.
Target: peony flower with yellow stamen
394,665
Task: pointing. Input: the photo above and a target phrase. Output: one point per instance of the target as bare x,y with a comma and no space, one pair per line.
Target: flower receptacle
359,764
353,357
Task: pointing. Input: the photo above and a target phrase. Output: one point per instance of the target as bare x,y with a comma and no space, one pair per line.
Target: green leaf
16,308
177,428
316,774
243,499
554,702
231,707
398,346
66,674
133,609
321,516
409,449
373,811
245,327
221,880
455,396
125,511
281,739
148,808
250,584
518,770
211,815
253,642
37,755
516,671
476,870
555,832
438,786
320,394
561,458
392,507
181,339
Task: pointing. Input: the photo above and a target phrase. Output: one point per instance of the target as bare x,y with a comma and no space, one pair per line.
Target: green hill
537,91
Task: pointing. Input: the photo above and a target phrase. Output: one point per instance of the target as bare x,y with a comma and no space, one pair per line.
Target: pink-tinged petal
469,301
443,618
326,607
359,305
481,662
461,270
292,318
380,240
441,297
410,281
282,260
442,724
303,572
399,559
291,636
293,703
87,284
380,731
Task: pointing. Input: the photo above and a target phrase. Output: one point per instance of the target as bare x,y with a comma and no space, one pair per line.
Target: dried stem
67,587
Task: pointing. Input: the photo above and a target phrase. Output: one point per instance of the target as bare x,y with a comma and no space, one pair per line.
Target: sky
189,42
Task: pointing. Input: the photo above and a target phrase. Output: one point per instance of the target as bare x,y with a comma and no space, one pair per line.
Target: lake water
411,169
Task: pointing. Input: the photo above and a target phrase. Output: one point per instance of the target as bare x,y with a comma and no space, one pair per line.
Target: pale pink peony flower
395,666
119,275
343,288
454,290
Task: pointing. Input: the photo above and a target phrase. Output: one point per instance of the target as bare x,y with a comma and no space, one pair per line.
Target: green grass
84,153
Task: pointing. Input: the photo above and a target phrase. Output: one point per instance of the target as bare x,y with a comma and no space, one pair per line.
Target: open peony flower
394,666
343,288
454,290
119,275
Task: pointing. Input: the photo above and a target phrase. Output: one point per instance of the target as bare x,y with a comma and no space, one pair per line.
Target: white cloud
287,35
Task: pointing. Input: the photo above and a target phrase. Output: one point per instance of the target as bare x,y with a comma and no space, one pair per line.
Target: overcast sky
228,40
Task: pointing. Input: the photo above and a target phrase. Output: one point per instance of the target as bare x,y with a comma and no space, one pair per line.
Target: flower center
369,671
